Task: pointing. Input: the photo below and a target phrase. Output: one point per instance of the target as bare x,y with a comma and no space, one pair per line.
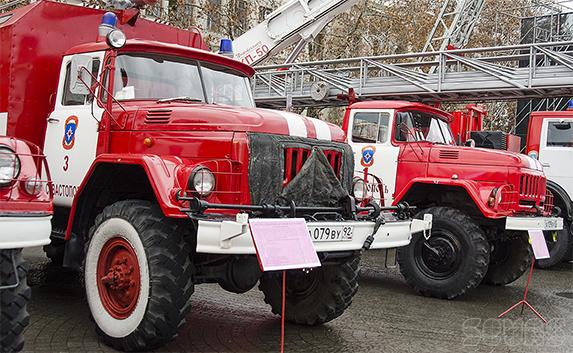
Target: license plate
552,224
331,233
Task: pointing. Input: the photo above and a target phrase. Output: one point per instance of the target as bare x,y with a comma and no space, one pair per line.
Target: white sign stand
283,244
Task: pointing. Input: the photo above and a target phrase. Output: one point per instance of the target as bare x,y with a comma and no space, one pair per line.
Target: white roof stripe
295,122
322,129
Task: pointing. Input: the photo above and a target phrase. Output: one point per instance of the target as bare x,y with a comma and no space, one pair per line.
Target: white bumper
24,232
234,237
534,223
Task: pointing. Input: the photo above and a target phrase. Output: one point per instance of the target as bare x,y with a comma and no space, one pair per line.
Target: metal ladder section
296,22
494,73
454,25
10,5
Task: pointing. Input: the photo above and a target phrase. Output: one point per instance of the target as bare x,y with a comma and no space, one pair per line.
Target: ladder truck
159,158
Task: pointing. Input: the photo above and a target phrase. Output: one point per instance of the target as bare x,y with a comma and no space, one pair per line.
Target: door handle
546,165
53,120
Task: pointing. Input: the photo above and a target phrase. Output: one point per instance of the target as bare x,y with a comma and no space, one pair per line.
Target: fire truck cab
483,201
550,140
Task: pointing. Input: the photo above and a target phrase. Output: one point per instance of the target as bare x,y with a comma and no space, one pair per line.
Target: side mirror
80,77
470,143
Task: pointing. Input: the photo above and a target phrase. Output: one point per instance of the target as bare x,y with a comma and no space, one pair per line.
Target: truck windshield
419,126
157,77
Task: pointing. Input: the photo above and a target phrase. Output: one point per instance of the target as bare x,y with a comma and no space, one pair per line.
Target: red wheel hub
118,277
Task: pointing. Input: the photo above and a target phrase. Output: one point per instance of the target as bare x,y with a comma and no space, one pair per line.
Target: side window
404,126
68,98
370,127
560,134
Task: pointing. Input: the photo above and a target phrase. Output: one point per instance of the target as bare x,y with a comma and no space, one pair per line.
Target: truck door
556,151
373,149
71,135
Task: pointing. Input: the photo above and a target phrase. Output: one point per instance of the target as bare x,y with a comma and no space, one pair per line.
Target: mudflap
74,252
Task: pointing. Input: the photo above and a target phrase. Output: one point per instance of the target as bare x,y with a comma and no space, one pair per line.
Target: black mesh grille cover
316,183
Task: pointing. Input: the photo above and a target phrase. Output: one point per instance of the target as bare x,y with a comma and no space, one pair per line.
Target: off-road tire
14,315
169,272
472,263
509,261
335,287
561,250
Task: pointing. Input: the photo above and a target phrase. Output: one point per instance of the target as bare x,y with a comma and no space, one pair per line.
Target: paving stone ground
386,316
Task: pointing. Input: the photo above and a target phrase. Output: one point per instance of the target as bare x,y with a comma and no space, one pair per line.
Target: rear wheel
14,298
313,296
452,261
559,244
137,276
510,259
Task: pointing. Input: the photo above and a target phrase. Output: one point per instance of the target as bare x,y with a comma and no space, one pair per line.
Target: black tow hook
370,239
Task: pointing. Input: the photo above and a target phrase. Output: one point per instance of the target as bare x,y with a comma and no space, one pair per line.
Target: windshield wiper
180,99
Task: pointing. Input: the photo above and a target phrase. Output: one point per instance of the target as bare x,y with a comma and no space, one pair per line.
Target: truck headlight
9,166
116,39
33,186
202,181
359,189
496,197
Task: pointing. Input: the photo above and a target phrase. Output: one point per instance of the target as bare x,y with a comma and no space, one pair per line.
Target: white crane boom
295,22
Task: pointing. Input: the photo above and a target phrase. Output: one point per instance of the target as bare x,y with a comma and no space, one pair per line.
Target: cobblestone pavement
386,316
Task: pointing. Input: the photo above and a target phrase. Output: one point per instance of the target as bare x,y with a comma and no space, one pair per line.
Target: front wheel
452,261
14,298
510,259
137,276
313,296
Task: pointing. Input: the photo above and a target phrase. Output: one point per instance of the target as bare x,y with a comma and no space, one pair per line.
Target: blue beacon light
108,23
226,47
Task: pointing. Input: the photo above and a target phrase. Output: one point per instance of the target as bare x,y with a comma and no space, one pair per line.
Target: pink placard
283,244
537,240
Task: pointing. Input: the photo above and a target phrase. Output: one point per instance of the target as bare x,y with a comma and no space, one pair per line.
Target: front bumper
24,232
234,237
533,223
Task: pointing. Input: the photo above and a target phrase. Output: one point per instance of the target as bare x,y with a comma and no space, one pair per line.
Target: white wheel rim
111,326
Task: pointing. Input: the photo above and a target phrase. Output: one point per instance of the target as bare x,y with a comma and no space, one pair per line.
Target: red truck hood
460,155
210,117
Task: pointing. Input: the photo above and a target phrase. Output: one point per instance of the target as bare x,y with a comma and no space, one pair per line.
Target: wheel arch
425,194
109,180
559,193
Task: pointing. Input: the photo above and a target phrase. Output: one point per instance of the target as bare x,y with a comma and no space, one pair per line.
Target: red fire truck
25,213
549,133
483,201
550,140
159,158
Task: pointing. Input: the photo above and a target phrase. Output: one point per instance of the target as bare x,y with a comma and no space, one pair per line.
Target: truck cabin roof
551,114
402,105
148,46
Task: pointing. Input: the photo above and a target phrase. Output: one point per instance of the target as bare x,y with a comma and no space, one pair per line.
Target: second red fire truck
483,201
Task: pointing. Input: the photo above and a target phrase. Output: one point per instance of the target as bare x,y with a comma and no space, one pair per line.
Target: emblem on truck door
367,156
70,128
